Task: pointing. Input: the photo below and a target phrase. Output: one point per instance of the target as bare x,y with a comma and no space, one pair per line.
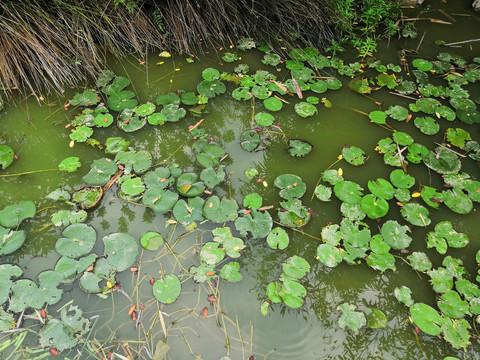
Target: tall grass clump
48,44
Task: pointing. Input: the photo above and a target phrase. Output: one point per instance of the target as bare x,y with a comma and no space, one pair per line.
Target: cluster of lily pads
189,196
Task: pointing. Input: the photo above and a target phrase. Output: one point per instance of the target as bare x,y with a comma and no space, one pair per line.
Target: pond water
234,325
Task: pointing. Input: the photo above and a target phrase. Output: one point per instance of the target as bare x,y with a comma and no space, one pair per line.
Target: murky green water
234,325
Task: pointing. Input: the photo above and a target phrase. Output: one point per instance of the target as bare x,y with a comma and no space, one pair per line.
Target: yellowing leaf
185,188
165,54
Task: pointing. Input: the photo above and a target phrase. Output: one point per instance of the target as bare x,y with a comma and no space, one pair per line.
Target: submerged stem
28,172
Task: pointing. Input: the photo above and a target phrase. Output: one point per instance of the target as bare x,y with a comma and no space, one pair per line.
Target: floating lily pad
119,83
273,104
7,271
397,112
354,155
403,294
333,177
212,253
81,134
416,214
422,65
427,125
189,98
291,186
78,240
100,172
395,235
451,305
187,185
296,267
252,201
211,88
88,196
457,201
121,250
6,156
426,318
114,145
299,147
87,98
419,261
122,100
249,140
12,215
200,273
145,109
402,138
172,113
168,99
374,207
305,109
69,164
381,188
133,187
257,223
212,177
401,180
159,199
293,213
442,161
139,161
457,137
167,290
378,117
323,192
456,332
348,191
278,237
231,272
351,318
11,240
151,240
329,255
220,211
186,213
376,318
264,119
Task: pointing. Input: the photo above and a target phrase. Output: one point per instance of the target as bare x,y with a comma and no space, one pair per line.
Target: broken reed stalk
53,44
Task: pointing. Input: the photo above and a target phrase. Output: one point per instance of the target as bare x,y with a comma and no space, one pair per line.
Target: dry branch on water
51,44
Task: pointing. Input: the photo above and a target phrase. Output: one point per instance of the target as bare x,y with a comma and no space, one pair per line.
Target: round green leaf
78,240
351,318
211,253
12,215
419,261
6,156
305,109
145,109
427,125
376,319
278,237
273,104
381,188
374,207
457,201
416,214
395,235
252,201
401,180
168,289
264,119
188,186
160,200
121,250
426,318
69,164
329,255
348,191
151,240
299,147
402,138
11,240
442,161
231,272
133,187
296,267
168,99
354,155
249,140
378,117
291,186
323,192
220,211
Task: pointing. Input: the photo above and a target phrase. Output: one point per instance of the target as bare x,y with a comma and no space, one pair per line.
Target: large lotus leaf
122,100
402,138
78,240
299,147
451,305
427,125
403,294
12,215
323,192
381,188
69,164
472,187
293,213
138,161
456,332
457,137
296,267
426,318
6,156
351,318
331,234
457,201
395,235
212,177
445,230
186,213
168,289
257,223
397,112
278,237
264,119
378,117
100,172
24,292
200,273
292,293
173,113
87,98
7,271
133,187
442,161
187,185
329,255
159,200
401,180
354,155
121,250
353,235
249,140
133,123
419,261
422,65
253,201
151,240
332,176
211,88
441,279
158,178
11,240
231,272
220,211
348,191
374,207
291,186
416,214
305,109
212,253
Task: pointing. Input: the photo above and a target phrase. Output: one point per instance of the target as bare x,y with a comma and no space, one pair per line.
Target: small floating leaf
12,215
351,318
231,272
291,186
121,250
416,214
299,147
151,240
305,109
278,237
378,117
168,289
6,156
426,318
354,155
